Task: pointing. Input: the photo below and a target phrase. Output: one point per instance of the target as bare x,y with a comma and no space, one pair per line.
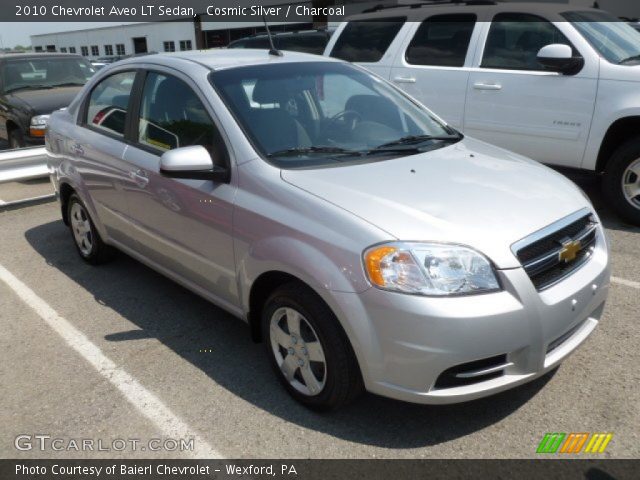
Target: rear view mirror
192,162
558,57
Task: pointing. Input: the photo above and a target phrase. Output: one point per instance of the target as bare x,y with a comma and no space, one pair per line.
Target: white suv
556,83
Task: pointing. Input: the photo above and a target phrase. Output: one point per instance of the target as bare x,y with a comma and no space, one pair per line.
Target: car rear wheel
621,182
85,236
16,139
308,349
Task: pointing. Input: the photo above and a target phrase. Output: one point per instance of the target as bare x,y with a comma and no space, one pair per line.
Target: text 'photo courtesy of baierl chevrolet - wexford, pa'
319,239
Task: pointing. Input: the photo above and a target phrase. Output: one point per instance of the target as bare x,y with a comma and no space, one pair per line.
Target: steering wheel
350,118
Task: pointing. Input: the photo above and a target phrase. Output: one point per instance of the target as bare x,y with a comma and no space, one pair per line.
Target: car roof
418,11
4,56
219,59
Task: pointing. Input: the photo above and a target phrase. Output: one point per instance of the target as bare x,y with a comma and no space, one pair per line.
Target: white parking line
625,282
2,202
146,402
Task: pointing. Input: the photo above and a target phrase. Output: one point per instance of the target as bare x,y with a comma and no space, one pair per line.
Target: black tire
343,381
613,177
99,252
16,139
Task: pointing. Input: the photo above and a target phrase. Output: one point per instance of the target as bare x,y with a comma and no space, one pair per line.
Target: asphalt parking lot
119,351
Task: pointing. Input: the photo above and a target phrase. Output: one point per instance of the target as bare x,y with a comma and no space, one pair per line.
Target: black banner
296,11
281,11
319,469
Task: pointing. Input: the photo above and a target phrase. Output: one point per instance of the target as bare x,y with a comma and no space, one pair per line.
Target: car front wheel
16,139
308,349
621,182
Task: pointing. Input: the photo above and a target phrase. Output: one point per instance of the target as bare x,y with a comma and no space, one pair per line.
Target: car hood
469,193
42,102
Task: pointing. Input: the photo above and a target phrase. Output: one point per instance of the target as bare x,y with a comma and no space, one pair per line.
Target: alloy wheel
631,183
81,227
298,351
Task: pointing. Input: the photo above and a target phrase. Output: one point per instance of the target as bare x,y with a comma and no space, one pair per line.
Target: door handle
487,86
140,178
404,79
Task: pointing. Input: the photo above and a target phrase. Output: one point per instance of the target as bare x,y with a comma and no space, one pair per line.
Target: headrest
269,91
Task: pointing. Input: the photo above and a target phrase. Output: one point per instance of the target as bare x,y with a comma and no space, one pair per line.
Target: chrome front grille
550,255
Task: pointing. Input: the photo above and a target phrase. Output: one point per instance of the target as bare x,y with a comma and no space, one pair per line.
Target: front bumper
405,344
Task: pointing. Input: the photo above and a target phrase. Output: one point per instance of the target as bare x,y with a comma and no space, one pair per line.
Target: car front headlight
432,269
39,121
38,125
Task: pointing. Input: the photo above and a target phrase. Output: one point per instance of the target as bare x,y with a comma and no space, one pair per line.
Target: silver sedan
368,244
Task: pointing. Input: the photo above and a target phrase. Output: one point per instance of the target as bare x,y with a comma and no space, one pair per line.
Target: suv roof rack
429,3
305,31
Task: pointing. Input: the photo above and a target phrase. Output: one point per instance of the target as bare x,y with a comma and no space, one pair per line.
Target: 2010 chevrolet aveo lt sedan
367,244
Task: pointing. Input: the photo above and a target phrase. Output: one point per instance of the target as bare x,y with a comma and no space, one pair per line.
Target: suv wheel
308,349
621,182
85,236
16,139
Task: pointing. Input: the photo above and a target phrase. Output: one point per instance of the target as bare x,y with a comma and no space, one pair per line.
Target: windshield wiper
68,84
634,58
412,140
313,149
29,87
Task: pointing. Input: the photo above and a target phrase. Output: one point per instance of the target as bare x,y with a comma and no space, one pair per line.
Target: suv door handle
487,86
404,79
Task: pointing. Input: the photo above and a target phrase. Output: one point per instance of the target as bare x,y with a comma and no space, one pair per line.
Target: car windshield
615,40
318,113
37,73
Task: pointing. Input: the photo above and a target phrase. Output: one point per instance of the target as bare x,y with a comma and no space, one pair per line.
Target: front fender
308,264
299,259
616,101
20,119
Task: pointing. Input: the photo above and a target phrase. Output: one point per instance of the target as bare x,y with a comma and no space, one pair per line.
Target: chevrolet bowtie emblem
569,251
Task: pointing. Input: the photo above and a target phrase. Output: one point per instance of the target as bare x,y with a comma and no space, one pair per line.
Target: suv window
516,38
616,41
306,43
108,102
442,41
366,41
172,116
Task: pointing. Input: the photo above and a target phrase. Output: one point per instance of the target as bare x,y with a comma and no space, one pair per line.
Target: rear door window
108,102
442,41
366,41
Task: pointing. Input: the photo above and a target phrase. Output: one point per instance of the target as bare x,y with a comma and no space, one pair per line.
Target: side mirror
193,163
558,57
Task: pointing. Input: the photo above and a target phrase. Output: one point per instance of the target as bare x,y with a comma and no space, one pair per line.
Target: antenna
273,50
